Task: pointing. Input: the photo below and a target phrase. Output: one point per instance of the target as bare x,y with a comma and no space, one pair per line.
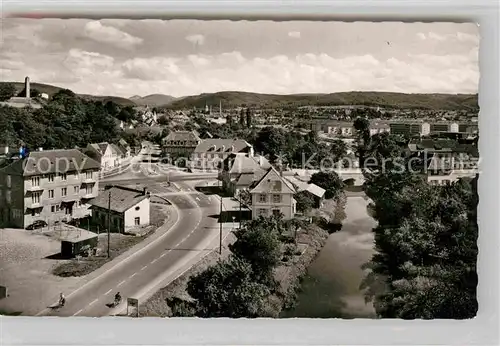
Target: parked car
37,224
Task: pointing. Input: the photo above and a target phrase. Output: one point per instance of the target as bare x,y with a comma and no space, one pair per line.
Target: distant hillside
382,99
51,90
153,100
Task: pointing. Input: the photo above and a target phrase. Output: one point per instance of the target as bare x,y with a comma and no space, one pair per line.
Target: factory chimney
27,87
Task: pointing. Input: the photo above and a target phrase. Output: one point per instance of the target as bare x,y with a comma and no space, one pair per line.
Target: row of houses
401,127
109,155
203,154
62,186
441,161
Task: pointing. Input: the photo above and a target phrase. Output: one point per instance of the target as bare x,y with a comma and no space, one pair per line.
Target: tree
305,201
7,90
329,181
164,121
259,245
425,264
242,118
362,127
127,114
227,290
270,140
112,109
249,118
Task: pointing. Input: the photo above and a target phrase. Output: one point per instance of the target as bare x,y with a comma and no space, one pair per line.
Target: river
331,287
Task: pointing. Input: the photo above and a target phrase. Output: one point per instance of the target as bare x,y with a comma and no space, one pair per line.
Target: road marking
153,261
92,302
163,254
108,291
76,313
144,267
126,259
131,276
121,283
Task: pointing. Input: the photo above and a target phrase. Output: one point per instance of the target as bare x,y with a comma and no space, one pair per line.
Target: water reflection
331,288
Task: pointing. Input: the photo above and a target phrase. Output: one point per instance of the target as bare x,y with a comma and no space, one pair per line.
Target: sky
189,57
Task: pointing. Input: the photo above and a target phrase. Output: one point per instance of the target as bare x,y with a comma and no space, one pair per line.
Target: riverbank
330,288
310,240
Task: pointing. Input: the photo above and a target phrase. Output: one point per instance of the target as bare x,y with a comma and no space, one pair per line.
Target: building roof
379,125
74,235
222,145
443,145
244,163
301,185
183,136
273,182
50,162
116,150
123,143
122,198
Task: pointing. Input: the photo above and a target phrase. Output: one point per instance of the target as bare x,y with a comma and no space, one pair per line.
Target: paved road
159,262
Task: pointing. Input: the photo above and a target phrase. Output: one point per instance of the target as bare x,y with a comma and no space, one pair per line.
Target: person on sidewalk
62,299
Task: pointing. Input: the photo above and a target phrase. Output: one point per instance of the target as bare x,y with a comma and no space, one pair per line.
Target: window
262,198
88,175
261,212
8,196
51,193
35,198
76,175
276,198
89,190
276,212
53,208
137,221
64,191
76,189
35,212
63,176
9,181
58,208
35,181
51,178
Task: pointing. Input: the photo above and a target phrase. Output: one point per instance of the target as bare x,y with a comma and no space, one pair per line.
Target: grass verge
119,243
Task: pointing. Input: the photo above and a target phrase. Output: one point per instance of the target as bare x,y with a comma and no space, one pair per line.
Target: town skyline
127,58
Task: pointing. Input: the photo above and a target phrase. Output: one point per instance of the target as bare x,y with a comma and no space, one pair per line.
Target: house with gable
273,195
240,170
107,154
210,153
124,148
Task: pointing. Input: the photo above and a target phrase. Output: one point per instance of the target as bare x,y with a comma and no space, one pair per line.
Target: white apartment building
52,185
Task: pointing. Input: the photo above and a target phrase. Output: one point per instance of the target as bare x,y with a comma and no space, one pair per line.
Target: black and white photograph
239,169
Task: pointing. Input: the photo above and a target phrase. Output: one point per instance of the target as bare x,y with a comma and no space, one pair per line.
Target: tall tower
27,87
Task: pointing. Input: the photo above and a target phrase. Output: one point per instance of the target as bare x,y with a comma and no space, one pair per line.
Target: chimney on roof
27,86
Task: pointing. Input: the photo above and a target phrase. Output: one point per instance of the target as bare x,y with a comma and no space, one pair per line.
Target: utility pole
109,216
220,220
239,197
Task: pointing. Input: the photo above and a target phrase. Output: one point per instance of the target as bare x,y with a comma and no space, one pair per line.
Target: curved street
194,234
